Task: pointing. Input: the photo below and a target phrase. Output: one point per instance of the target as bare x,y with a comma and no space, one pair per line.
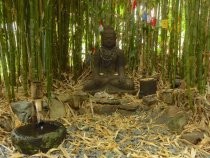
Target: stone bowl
32,138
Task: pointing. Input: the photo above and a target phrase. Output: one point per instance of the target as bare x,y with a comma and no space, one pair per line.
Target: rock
125,112
167,96
111,108
23,109
177,122
177,83
104,103
78,97
74,100
67,97
111,101
104,108
174,118
172,111
6,122
193,137
129,106
57,109
64,97
149,100
103,94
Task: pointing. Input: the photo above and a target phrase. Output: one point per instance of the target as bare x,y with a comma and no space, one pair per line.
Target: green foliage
54,37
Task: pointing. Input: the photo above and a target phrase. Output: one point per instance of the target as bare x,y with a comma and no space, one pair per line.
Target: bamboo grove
42,39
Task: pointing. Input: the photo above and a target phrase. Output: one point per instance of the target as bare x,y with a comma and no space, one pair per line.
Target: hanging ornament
153,21
101,28
148,19
134,4
164,23
144,16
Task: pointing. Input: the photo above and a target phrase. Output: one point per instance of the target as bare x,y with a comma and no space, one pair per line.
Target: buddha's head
108,37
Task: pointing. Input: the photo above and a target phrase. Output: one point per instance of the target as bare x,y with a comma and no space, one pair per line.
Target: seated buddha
108,67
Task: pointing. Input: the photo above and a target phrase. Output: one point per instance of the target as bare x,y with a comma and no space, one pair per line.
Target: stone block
148,86
167,96
149,100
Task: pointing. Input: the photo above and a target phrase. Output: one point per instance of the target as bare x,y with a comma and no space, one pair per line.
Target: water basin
32,138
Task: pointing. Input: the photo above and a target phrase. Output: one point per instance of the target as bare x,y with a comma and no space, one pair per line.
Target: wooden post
36,90
148,86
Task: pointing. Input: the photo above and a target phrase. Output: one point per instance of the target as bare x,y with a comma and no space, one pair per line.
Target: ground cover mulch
110,136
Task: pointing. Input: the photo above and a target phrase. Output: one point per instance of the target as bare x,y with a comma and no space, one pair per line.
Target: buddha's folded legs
95,84
124,83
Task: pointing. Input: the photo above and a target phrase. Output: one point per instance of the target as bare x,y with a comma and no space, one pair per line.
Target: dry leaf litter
111,136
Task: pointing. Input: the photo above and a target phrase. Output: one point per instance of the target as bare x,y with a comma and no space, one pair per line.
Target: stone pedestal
104,103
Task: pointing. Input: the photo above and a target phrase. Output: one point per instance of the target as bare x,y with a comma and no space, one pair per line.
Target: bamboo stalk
21,23
48,10
9,18
4,64
164,31
58,34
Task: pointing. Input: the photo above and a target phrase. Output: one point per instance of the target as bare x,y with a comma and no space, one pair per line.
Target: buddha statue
109,63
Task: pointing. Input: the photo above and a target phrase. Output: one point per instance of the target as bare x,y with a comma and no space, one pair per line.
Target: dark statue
109,62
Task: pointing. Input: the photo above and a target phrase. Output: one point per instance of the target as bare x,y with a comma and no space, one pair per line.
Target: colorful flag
144,16
101,28
153,21
134,4
164,23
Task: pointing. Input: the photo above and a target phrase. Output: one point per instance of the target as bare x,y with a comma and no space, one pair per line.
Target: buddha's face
108,38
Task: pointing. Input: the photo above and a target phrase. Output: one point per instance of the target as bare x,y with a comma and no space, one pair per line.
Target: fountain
38,135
